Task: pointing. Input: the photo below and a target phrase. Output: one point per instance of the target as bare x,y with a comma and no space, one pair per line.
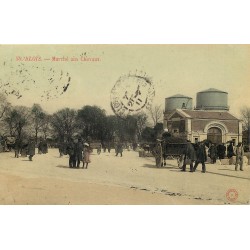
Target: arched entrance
214,135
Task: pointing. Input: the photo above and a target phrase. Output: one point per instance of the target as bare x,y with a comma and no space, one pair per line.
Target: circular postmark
232,195
131,94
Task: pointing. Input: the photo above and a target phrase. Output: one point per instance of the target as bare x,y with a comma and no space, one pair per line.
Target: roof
178,96
207,114
212,90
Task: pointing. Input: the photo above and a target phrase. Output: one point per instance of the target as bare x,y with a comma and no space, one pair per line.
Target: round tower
178,102
212,99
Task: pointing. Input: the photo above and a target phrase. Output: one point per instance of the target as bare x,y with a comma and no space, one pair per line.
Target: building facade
210,120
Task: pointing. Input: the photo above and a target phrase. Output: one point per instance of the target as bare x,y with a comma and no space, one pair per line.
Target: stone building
210,119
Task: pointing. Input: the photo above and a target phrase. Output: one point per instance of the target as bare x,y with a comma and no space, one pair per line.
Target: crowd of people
79,150
28,147
197,154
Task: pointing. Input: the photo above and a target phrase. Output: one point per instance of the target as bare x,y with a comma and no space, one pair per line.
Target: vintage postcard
124,124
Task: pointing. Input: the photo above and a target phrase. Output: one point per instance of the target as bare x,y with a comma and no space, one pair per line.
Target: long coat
158,155
86,155
119,148
213,152
79,149
190,152
201,153
31,148
239,152
221,150
230,151
71,149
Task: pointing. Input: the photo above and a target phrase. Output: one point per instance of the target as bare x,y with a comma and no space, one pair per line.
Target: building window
196,139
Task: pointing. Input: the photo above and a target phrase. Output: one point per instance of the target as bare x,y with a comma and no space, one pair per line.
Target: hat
86,144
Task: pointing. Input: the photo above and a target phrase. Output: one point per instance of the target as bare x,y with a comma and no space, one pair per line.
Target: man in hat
17,147
71,151
230,150
79,149
158,153
201,157
213,153
239,156
165,136
119,149
31,148
190,156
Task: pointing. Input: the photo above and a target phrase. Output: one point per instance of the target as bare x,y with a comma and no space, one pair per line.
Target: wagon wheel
170,157
180,161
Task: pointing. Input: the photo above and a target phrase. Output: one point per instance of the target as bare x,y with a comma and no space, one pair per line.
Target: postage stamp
131,94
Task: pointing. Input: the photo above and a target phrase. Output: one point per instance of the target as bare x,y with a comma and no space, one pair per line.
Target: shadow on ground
62,166
226,169
168,166
233,176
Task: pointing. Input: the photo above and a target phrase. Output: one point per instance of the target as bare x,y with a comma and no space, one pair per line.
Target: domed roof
179,96
212,90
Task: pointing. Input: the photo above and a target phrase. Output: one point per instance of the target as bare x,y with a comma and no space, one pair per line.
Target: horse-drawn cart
172,148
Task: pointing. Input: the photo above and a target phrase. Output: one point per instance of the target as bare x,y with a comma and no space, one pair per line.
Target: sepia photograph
124,124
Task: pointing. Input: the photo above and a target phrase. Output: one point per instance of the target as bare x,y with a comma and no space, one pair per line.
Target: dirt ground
117,180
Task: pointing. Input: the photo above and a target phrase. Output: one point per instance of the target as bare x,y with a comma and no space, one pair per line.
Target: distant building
210,119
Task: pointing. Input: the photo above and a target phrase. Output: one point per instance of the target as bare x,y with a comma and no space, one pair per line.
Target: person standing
239,156
221,149
61,148
72,153
86,155
79,150
44,146
40,146
190,157
230,150
31,148
119,149
109,146
158,154
213,153
104,146
201,156
99,148
17,147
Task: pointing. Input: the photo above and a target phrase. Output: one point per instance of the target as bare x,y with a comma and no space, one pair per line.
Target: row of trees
89,121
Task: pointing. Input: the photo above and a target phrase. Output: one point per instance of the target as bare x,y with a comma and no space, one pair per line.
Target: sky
173,69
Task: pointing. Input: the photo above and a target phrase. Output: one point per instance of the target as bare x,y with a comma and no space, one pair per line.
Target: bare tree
45,127
4,105
37,117
245,116
141,123
17,119
156,113
63,123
